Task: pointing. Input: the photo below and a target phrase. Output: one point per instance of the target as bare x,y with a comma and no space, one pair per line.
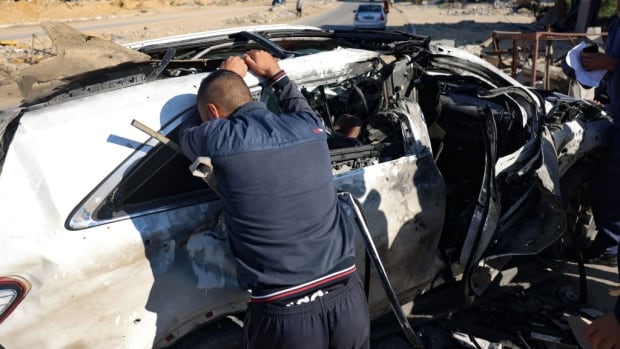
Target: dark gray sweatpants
338,320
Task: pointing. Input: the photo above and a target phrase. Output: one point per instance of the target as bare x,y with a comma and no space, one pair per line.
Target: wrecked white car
108,240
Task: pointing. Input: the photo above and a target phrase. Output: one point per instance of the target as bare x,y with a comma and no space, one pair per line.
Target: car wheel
224,334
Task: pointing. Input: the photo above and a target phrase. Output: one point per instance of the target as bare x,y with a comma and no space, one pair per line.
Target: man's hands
597,60
262,63
235,64
259,61
604,332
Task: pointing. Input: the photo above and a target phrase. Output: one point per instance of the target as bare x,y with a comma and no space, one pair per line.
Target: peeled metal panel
546,221
404,203
486,214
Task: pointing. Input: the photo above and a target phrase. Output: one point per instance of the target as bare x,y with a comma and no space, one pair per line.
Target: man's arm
190,134
604,332
289,97
597,60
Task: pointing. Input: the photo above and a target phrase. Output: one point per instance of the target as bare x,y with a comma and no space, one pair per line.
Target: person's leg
280,327
349,318
606,203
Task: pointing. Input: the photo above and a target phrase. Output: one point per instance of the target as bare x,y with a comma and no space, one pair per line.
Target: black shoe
610,260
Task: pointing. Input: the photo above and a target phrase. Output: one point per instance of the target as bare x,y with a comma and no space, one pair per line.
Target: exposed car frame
111,242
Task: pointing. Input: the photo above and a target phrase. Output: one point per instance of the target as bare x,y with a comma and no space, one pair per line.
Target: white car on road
370,16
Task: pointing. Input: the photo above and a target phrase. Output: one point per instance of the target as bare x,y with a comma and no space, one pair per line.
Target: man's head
220,94
348,125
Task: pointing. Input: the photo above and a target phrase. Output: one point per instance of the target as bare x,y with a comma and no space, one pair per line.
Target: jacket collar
246,108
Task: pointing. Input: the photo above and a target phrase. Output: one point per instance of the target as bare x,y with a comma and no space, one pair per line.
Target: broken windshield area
85,64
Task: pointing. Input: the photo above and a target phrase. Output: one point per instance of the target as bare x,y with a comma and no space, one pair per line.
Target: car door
403,201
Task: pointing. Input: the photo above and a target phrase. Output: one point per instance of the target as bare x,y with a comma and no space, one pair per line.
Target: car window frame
86,214
89,212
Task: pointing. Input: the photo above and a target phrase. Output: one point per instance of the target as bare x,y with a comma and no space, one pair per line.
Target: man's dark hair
224,88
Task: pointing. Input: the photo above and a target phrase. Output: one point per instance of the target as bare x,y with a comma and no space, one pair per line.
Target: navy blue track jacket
284,221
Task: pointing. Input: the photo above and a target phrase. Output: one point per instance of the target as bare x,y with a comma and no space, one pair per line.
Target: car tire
226,333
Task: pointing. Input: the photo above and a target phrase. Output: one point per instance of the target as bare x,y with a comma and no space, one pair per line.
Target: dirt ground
211,14
32,12
462,25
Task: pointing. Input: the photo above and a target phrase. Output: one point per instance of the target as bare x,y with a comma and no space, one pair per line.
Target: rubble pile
16,56
541,306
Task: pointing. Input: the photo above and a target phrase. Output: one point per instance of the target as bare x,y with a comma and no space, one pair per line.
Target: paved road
342,16
339,16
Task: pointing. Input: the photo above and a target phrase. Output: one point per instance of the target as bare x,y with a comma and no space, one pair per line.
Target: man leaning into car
293,245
